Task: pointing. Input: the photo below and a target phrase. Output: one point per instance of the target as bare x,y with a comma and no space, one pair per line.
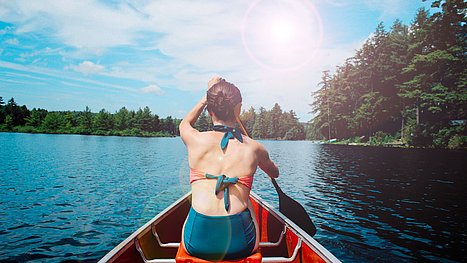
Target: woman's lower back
205,201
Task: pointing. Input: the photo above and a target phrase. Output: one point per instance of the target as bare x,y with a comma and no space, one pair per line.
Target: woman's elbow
274,171
275,174
183,128
182,124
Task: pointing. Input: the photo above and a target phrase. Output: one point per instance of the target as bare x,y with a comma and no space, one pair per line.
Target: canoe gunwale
300,233
129,241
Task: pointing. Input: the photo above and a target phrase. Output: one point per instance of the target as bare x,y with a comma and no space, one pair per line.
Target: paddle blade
295,212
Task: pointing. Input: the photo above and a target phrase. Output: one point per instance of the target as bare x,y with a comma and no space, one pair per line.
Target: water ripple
90,193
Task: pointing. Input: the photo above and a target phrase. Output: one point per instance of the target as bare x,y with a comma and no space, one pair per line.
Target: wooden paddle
287,206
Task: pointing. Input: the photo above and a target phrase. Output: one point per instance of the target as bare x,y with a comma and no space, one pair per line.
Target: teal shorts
219,237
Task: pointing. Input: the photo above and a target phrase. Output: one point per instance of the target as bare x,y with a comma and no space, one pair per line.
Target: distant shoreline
143,135
402,146
159,135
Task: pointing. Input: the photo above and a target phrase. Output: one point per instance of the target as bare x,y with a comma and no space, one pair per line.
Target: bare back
237,160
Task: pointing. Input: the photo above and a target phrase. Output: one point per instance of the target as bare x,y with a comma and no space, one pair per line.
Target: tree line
264,124
273,124
124,122
406,83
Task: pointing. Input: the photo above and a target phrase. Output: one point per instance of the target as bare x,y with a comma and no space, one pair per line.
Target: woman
221,223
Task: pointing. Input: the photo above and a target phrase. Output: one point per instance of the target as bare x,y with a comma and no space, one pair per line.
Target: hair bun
222,98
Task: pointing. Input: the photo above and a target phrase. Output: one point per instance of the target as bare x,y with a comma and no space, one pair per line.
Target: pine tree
259,127
275,130
104,121
204,122
85,120
248,119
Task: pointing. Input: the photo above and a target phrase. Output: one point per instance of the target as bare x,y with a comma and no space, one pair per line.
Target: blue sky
66,55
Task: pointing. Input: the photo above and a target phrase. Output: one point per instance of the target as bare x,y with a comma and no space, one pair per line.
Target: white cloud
200,39
336,3
12,41
22,82
42,52
154,89
62,75
85,24
88,67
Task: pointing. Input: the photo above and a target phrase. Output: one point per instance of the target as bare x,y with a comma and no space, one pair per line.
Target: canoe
158,240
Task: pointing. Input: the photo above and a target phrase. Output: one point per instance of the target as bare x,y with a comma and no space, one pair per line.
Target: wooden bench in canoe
158,240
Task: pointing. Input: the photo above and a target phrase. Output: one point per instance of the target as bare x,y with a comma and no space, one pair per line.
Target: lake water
68,197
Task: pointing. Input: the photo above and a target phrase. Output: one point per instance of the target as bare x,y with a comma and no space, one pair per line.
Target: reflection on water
377,204
76,197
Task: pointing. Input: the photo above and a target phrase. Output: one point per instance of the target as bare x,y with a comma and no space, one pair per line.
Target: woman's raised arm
186,125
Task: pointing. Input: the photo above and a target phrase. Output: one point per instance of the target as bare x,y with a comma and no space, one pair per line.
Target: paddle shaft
239,121
289,207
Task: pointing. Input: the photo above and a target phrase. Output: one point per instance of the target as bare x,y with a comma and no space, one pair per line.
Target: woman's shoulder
252,142
204,138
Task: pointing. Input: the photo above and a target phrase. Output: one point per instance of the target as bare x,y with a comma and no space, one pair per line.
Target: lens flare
282,32
281,35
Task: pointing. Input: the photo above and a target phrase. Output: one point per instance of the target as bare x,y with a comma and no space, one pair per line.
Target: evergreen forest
273,124
124,122
405,84
265,124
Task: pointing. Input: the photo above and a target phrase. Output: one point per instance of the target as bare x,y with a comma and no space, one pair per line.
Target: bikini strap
229,133
222,184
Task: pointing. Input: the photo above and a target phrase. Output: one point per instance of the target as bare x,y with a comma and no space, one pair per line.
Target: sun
282,34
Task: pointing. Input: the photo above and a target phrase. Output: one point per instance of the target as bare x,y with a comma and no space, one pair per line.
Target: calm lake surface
67,197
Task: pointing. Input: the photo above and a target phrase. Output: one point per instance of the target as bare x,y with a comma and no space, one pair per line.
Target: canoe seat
183,257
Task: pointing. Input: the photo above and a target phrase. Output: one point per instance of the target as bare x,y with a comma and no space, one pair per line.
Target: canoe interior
169,227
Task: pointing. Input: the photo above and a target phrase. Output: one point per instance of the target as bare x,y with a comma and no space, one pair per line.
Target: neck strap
229,133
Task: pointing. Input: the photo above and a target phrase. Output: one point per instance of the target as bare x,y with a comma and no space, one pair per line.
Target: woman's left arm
186,125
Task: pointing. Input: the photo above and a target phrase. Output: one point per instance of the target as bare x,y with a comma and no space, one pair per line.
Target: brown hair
222,99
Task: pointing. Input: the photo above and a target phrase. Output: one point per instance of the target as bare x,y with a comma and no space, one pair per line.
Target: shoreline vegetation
141,123
404,86
272,124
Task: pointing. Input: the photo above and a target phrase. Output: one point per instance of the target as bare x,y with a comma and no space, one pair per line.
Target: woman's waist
242,214
206,202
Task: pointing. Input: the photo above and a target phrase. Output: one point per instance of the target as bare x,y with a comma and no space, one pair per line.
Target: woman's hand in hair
214,80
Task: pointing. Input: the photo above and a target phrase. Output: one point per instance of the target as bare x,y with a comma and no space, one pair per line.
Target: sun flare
282,34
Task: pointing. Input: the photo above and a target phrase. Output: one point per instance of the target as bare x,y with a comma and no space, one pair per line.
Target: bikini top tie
229,133
222,184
